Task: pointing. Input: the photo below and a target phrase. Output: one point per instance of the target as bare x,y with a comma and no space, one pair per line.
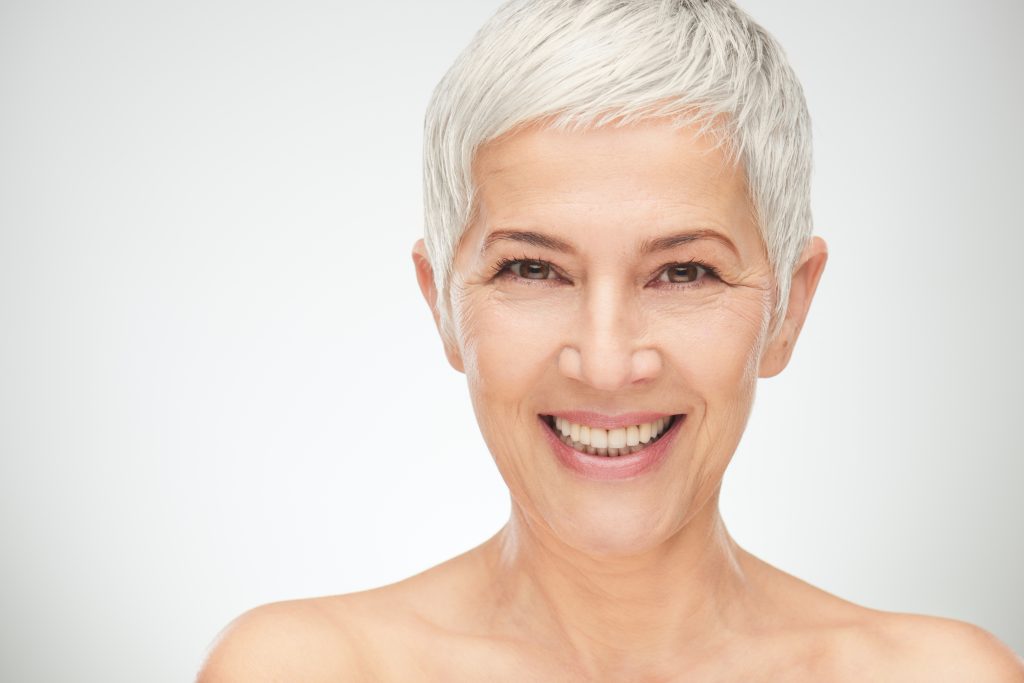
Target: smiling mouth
609,442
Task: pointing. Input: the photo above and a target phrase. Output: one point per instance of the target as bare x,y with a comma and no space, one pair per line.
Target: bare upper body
445,624
613,300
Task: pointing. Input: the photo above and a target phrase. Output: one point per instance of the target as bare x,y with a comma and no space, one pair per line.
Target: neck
670,602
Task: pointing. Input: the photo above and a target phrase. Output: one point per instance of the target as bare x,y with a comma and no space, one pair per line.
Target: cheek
508,352
507,345
715,347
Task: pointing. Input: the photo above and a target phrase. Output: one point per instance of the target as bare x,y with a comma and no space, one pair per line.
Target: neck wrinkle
672,603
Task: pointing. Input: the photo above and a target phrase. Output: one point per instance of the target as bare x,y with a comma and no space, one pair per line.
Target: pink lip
601,421
605,468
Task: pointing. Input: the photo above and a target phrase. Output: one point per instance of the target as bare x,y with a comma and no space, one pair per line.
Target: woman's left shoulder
917,647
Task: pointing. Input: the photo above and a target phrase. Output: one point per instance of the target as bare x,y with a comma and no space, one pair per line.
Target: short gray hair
580,63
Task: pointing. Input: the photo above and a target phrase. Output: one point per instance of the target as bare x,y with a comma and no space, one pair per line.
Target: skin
633,579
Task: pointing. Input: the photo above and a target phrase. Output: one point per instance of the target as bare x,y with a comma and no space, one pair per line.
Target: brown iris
683,272
534,270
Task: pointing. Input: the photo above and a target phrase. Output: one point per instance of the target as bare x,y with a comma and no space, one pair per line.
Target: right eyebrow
528,237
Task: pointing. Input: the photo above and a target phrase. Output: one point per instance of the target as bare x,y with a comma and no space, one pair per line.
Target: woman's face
609,272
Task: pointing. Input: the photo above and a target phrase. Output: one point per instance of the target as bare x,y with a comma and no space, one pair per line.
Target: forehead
628,183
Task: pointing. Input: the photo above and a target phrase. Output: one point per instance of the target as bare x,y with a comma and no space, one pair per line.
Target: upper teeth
621,437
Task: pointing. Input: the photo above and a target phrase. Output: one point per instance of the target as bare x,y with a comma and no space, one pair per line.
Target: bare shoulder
309,640
951,650
913,647
390,632
845,641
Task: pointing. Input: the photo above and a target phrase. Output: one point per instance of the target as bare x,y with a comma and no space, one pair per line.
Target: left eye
683,272
532,270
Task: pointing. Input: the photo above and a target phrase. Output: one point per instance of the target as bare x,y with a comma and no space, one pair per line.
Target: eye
529,269
684,272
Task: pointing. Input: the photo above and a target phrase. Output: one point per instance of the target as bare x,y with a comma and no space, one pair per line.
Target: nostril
609,369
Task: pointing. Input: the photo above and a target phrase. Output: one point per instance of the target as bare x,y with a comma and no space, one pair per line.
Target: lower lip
605,467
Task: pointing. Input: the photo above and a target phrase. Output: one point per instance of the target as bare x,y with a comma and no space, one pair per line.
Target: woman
618,245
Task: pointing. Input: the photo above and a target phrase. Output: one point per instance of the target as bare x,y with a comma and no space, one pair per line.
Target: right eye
529,269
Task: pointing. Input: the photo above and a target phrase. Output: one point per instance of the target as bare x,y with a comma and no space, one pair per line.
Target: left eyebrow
671,241
528,237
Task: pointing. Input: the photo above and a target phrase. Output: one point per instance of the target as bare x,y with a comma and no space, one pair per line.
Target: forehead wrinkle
523,191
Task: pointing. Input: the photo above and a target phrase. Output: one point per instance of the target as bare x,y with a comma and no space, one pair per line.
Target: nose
607,347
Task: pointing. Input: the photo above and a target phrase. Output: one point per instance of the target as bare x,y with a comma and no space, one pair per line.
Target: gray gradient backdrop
219,385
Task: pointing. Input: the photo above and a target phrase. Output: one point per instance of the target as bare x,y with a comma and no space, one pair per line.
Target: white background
219,385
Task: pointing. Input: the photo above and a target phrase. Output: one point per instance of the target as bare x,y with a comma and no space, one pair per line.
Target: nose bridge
608,335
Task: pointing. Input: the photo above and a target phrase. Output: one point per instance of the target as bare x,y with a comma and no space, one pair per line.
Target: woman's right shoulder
311,639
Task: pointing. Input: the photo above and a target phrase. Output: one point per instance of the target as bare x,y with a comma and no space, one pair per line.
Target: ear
425,277
808,271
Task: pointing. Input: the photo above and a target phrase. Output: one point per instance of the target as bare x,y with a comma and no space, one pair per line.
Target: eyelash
504,265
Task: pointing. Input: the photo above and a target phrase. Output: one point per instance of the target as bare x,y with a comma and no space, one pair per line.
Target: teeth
609,442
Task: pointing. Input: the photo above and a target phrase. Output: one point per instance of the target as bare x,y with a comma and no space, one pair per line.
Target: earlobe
805,280
425,278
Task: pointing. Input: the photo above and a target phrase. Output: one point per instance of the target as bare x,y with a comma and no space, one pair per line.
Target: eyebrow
647,246
528,237
670,241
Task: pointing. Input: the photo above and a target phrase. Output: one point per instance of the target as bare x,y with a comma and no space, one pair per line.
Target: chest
471,660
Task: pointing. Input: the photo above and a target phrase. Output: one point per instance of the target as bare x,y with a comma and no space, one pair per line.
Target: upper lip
602,421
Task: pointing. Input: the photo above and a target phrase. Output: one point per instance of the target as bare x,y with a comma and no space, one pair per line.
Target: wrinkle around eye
480,309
